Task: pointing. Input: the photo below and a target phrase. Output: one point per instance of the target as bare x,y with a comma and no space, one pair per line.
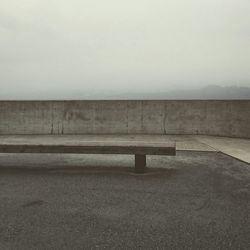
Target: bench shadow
88,170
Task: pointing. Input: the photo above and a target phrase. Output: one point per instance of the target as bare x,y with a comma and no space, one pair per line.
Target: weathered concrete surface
223,118
80,144
198,200
235,147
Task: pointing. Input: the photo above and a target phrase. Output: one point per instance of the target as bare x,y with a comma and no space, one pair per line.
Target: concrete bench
80,145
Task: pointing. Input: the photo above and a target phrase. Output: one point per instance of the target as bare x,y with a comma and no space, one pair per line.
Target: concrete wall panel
110,117
135,117
77,117
185,117
223,118
153,117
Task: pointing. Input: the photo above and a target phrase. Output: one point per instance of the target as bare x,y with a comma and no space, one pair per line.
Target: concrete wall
224,118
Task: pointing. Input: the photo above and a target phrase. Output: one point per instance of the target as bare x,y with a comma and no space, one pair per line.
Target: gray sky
58,46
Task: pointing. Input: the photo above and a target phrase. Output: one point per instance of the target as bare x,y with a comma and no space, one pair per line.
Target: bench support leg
140,164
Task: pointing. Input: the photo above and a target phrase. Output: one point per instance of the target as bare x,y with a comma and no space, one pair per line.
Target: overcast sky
58,46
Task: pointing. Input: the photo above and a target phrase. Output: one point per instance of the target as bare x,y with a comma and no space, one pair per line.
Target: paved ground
196,200
236,147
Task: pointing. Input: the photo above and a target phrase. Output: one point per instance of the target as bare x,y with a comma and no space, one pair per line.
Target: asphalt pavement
196,200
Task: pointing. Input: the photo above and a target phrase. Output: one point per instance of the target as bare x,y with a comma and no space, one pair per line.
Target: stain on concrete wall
224,118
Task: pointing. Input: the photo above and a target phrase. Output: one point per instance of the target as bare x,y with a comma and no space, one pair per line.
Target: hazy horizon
56,48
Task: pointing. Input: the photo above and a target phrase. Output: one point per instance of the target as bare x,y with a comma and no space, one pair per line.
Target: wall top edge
133,100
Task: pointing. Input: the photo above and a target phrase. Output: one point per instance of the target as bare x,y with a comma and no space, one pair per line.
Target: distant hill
213,92
208,92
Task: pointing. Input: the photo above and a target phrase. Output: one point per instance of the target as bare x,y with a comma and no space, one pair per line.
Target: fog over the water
55,49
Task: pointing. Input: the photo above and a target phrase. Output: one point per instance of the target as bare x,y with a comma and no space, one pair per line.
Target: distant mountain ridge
210,92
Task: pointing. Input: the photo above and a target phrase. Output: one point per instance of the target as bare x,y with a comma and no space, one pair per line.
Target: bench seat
75,144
